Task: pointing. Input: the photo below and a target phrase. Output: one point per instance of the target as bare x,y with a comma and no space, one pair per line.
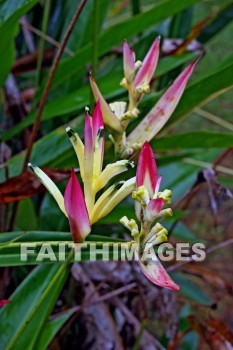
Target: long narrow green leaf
31,303
51,328
10,253
195,139
190,290
47,236
221,20
10,11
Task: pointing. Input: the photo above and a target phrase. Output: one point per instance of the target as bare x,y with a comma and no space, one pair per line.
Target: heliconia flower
82,210
149,203
4,302
137,78
149,64
76,210
128,62
115,115
161,112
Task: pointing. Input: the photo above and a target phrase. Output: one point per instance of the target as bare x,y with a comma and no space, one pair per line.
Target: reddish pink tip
76,210
88,133
146,170
156,273
98,130
149,64
154,208
97,119
128,61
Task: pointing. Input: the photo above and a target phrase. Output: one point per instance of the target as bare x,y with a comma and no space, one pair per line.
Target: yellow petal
78,147
112,170
50,185
114,196
102,200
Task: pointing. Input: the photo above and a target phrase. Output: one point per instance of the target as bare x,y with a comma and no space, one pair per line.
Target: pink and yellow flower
149,204
82,209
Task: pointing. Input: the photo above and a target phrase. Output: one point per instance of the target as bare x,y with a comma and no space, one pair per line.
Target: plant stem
201,164
210,116
42,43
95,45
49,83
44,36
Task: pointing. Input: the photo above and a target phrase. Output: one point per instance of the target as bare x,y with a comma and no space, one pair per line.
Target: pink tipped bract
76,210
147,174
156,273
149,64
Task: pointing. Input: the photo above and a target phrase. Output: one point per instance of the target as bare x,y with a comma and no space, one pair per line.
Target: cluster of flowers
137,78
83,209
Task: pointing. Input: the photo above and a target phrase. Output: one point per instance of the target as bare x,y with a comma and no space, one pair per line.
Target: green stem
95,44
43,297
42,43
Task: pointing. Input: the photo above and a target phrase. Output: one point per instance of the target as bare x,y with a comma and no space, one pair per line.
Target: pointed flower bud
147,174
98,139
128,62
146,72
76,209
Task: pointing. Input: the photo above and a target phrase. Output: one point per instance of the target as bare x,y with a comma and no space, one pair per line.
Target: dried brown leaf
27,185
